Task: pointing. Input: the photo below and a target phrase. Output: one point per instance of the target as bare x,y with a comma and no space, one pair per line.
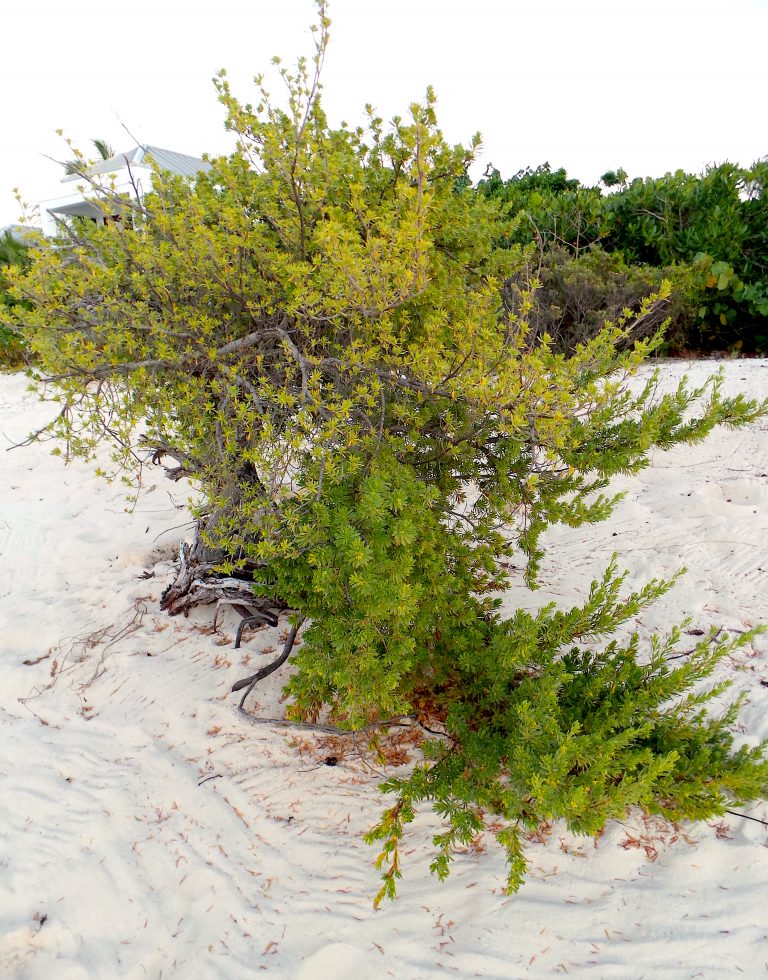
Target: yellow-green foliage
313,331
12,253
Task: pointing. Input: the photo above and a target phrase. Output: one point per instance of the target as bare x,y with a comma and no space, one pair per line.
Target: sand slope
115,861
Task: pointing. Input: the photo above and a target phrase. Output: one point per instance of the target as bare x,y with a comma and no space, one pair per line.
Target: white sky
590,85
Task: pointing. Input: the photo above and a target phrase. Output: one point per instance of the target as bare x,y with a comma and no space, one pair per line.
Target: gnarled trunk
199,582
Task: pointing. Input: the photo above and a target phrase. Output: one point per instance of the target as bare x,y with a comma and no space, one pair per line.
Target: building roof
177,163
142,155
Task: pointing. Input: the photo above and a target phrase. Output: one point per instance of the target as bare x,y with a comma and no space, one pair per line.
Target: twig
402,722
679,656
250,682
745,816
711,639
208,778
88,642
434,731
331,760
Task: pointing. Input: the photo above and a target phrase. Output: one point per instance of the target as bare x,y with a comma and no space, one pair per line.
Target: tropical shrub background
707,234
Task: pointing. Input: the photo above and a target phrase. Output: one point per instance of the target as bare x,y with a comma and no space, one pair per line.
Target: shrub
575,296
12,348
549,207
314,331
714,222
705,231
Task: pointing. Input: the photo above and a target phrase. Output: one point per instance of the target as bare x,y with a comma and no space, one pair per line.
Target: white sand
114,862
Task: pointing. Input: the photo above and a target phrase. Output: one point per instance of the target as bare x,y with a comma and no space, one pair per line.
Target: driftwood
199,583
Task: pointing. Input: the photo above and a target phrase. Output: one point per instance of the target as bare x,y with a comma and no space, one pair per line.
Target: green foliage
707,232
391,591
548,207
540,731
674,218
615,178
316,332
12,348
715,222
79,164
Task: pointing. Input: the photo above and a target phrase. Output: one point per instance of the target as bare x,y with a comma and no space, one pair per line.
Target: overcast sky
591,85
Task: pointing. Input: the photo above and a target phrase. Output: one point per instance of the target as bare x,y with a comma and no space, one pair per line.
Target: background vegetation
706,233
12,347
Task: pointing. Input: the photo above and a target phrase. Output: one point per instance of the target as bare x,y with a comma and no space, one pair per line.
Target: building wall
76,193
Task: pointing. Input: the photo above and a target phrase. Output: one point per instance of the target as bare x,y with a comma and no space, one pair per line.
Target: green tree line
706,233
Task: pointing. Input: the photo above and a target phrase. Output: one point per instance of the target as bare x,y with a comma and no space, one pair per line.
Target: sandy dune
116,861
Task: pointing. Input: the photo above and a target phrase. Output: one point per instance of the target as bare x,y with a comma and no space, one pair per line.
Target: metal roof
177,163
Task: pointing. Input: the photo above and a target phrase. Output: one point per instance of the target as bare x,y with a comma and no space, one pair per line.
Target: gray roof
178,163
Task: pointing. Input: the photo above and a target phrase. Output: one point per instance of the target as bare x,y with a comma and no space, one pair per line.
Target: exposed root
253,680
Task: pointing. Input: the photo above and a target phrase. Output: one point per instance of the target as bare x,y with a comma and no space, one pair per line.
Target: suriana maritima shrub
314,332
